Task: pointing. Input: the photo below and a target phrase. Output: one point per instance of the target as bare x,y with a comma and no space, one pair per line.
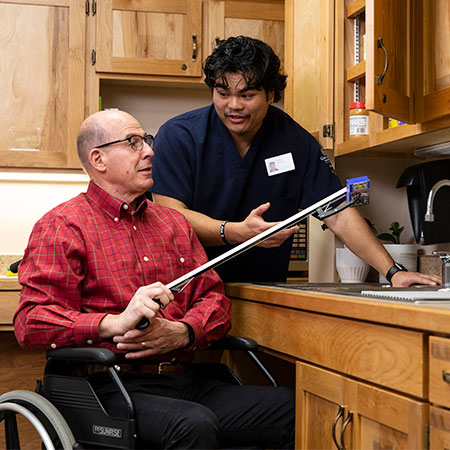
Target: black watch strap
397,267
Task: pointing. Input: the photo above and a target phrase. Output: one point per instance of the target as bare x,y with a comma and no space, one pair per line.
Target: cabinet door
384,420
371,418
260,19
433,60
439,428
42,58
389,78
320,408
159,37
309,65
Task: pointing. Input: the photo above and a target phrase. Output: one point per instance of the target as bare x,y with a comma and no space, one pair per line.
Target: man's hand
406,279
141,305
160,337
255,224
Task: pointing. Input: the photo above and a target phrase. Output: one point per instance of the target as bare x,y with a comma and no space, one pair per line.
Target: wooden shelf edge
357,72
356,8
352,145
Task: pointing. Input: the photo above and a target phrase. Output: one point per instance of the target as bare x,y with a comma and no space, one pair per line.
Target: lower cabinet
334,411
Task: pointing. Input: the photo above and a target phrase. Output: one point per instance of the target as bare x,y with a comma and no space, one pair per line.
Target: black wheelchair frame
64,403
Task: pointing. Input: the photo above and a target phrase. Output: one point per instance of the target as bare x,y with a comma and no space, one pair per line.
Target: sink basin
373,290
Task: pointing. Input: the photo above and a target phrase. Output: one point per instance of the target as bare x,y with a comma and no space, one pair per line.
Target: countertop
332,300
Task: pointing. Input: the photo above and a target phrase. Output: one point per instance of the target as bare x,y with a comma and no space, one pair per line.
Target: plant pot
405,254
350,268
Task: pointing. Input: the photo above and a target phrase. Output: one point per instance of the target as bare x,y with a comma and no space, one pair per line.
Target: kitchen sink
373,290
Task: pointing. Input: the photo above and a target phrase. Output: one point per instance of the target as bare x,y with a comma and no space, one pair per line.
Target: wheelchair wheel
42,415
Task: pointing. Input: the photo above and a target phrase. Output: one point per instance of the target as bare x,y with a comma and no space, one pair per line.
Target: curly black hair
252,58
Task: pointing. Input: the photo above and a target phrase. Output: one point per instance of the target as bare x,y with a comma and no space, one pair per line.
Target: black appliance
418,180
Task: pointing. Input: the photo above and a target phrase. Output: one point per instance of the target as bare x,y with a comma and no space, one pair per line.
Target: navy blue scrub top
197,163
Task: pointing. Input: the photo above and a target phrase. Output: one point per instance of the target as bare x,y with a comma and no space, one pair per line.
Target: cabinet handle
194,47
446,376
339,414
348,420
386,60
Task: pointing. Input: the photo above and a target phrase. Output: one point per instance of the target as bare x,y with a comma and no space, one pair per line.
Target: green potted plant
394,236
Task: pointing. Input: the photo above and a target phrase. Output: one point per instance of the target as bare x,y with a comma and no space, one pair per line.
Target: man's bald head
97,129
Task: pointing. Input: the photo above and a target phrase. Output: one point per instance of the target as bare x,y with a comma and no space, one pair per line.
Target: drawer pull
446,376
339,415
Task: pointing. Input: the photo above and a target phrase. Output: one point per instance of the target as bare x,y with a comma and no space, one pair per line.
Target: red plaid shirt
88,256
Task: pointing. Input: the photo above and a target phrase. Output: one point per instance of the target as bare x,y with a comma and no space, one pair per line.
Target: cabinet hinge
328,131
93,57
426,437
87,7
94,7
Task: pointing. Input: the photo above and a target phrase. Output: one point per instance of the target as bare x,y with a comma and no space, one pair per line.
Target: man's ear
270,96
97,159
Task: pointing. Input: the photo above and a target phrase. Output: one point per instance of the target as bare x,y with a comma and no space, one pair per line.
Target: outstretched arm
208,229
353,230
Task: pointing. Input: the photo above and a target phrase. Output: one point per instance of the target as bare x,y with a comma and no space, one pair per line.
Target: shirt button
125,206
53,345
90,341
182,260
134,227
116,219
145,258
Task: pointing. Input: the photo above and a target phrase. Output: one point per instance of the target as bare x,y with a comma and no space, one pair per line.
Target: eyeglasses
136,142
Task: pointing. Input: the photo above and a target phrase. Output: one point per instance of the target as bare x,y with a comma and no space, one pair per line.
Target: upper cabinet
149,37
42,77
393,56
389,78
309,29
433,60
260,19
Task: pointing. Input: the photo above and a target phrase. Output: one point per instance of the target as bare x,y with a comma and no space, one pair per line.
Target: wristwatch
397,267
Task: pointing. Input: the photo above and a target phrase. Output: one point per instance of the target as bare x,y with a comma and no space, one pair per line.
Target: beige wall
25,197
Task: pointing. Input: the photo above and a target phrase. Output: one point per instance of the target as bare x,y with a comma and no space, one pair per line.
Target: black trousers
192,411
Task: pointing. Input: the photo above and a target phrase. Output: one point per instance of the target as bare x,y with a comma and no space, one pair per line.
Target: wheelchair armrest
246,344
235,343
101,356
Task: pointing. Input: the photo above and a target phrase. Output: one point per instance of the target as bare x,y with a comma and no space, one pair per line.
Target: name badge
279,164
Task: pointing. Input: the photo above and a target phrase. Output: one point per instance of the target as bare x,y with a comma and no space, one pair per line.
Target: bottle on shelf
359,119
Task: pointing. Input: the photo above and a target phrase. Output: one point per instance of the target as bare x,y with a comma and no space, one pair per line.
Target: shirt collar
112,205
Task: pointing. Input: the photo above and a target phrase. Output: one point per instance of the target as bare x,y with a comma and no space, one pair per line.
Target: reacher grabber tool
322,209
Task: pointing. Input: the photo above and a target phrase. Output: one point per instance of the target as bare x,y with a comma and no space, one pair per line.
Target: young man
213,165
98,263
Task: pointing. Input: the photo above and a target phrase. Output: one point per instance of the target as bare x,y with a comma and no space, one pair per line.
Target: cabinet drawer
387,356
439,366
8,305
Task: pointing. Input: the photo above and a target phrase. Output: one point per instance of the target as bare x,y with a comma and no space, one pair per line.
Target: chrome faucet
445,260
429,216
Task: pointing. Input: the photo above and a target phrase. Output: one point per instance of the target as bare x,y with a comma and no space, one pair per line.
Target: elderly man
98,263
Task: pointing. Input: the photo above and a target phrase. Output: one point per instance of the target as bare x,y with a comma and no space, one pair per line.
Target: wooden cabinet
159,37
433,60
334,411
164,43
261,19
42,107
400,68
369,374
439,386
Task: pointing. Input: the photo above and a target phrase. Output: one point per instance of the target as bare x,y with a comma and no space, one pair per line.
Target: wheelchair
67,413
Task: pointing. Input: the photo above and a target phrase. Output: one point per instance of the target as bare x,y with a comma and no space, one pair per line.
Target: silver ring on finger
143,344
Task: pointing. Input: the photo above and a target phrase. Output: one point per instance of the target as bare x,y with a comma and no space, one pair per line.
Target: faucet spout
429,216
